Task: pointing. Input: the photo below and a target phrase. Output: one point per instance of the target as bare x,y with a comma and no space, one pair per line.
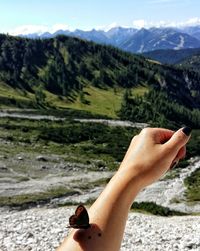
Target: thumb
178,139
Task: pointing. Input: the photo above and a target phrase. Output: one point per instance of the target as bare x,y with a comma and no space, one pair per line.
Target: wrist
127,184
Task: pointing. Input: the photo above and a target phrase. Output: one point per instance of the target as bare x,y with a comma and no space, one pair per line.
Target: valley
42,180
65,103
80,82
38,169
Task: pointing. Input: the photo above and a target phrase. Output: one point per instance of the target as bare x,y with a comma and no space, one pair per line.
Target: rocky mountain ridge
136,40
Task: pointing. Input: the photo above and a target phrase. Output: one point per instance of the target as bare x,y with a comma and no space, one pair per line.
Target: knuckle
146,130
134,138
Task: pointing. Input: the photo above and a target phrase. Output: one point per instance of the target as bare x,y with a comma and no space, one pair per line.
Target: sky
29,16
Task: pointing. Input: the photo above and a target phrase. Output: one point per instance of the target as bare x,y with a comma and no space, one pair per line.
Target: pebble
44,229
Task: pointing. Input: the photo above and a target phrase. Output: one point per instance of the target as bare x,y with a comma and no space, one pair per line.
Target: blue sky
39,15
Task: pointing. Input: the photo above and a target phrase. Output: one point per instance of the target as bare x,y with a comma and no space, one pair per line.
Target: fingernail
187,130
174,164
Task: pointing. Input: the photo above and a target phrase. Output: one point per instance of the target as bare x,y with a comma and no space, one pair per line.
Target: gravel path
43,229
114,122
108,122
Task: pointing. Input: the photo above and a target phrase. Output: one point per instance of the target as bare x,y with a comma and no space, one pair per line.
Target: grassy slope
8,93
100,101
103,102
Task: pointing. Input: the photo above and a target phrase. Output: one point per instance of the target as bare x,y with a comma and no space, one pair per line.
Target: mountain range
134,40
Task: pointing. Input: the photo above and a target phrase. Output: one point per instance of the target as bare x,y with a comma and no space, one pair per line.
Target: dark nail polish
187,130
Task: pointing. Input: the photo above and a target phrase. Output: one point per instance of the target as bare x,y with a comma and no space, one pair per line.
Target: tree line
158,109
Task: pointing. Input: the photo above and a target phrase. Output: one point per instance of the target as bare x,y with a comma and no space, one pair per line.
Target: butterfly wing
73,222
80,219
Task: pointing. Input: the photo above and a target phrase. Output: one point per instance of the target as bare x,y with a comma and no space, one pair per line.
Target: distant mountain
93,35
154,39
118,35
114,36
172,56
136,41
193,31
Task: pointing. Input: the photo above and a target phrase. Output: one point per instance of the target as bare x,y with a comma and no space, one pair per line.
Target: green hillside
185,58
171,56
192,63
66,72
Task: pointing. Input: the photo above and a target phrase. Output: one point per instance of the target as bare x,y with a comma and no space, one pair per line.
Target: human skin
149,156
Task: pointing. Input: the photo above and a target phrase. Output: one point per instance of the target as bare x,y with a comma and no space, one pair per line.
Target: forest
65,66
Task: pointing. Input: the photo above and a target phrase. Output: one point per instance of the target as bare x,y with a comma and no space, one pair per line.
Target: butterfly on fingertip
79,220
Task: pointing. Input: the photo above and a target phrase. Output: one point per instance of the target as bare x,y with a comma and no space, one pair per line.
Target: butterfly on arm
79,220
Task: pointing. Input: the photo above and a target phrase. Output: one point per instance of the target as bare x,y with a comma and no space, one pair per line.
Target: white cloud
193,21
141,23
39,29
27,29
56,27
138,23
107,27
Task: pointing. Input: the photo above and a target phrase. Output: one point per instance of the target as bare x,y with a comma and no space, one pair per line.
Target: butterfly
80,219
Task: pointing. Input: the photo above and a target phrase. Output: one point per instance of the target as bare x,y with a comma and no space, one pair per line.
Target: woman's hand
150,155
153,152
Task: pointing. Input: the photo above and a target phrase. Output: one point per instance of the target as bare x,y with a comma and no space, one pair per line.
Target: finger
178,140
174,163
164,135
181,154
157,135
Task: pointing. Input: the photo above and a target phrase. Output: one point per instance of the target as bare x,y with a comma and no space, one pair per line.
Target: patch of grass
105,102
153,61
23,178
193,148
155,209
182,164
100,101
176,200
193,186
9,92
93,184
35,198
172,174
13,97
140,90
90,139
100,182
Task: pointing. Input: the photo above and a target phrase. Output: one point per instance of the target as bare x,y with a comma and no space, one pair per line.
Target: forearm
146,160
108,217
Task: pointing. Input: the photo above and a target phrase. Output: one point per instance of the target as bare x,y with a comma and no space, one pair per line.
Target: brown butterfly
80,219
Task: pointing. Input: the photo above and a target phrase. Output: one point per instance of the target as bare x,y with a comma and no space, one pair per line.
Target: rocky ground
44,229
170,192
14,114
